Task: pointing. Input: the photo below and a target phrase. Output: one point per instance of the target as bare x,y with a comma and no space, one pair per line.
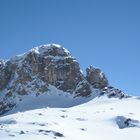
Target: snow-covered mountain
45,95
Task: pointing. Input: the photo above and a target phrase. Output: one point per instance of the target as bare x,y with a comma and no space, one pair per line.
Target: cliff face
33,72
51,64
96,77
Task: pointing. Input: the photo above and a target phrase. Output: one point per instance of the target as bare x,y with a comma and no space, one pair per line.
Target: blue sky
102,33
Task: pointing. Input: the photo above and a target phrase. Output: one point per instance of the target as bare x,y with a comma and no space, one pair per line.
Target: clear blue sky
104,33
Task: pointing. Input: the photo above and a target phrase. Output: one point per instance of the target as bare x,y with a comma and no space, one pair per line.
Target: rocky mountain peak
52,50
51,64
33,72
48,50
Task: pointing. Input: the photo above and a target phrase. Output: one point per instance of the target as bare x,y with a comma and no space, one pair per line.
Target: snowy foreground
94,120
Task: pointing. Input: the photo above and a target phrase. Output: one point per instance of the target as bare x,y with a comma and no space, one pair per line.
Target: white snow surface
93,120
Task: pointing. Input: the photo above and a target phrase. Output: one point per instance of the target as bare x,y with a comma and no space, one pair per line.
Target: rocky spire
96,77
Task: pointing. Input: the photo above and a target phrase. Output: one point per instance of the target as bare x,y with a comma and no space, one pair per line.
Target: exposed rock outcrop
52,64
47,65
96,77
112,92
5,74
124,122
32,72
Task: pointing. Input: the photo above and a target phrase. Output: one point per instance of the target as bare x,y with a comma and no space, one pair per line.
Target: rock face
96,77
51,64
4,74
124,122
34,71
47,65
112,92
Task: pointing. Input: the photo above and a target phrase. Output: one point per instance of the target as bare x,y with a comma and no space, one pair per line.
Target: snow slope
53,98
94,120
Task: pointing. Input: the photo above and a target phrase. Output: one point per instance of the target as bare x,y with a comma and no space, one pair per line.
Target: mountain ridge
49,65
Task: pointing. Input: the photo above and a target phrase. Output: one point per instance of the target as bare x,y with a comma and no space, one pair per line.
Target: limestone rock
113,92
124,122
5,75
96,77
50,64
83,89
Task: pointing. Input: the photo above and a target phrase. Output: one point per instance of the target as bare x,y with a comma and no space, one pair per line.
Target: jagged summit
52,50
45,68
96,77
50,63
